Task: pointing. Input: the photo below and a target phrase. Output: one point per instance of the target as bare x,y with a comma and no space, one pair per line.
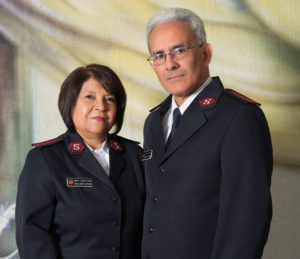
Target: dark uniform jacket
68,208
208,196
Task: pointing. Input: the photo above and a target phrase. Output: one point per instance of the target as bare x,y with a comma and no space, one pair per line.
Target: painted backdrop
256,51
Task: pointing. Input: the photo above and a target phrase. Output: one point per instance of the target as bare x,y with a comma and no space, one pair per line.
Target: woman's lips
99,118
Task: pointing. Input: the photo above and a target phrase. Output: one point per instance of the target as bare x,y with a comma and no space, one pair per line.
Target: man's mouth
175,77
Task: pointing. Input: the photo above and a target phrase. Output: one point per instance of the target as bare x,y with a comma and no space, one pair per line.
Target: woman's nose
99,105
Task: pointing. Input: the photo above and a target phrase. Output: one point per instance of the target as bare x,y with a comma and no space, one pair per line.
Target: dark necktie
176,120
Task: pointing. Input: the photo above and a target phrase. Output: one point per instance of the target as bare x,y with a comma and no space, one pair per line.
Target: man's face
179,77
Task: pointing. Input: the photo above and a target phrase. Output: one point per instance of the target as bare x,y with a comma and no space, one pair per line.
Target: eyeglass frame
171,53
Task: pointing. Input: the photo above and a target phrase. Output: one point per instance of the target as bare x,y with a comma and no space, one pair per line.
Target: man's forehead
170,48
166,36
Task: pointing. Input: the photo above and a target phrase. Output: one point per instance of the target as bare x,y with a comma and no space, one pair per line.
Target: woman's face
95,111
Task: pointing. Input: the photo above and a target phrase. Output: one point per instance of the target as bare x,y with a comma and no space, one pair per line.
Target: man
208,169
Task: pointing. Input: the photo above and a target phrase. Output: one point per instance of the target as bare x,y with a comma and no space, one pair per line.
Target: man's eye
159,56
179,50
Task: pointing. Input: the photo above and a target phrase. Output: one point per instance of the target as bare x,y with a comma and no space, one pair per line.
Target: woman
81,195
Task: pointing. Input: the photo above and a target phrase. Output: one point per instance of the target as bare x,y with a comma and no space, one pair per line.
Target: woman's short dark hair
71,88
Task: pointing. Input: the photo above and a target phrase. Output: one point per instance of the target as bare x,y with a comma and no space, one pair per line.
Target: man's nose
170,62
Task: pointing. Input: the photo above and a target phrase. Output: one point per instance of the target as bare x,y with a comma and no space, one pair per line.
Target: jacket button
151,230
162,170
115,199
114,249
155,198
115,224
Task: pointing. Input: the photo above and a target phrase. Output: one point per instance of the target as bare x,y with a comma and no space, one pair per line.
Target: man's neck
179,100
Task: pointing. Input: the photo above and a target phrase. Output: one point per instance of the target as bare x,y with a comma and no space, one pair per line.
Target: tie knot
176,118
176,114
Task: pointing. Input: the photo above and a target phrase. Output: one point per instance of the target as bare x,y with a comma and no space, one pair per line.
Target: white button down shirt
102,156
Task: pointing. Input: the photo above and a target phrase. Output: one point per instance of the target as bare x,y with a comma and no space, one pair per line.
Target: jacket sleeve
245,205
35,209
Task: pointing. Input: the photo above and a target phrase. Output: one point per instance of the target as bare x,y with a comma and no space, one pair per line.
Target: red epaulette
241,97
47,142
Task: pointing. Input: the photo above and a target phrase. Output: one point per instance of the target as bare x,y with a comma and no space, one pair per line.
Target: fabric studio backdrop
256,52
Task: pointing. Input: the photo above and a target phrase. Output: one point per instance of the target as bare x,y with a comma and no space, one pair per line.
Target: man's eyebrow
177,46
157,52
170,48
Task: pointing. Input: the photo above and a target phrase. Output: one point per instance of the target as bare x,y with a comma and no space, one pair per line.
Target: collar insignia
76,147
206,102
116,145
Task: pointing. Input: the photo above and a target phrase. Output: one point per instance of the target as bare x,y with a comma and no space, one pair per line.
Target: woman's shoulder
124,143
51,146
49,142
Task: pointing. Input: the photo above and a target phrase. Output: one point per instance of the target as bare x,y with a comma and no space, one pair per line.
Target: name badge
146,155
80,182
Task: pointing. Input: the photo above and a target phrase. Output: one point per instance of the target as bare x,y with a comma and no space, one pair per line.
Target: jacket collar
85,159
116,157
192,120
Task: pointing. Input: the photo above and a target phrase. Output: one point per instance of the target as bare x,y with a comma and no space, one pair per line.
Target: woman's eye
90,97
110,99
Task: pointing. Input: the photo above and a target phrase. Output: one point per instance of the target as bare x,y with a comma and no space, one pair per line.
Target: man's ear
207,53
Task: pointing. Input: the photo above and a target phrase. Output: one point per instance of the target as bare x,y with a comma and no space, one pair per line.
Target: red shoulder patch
241,97
48,142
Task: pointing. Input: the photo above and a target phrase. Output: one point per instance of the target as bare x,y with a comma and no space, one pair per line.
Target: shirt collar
103,148
189,99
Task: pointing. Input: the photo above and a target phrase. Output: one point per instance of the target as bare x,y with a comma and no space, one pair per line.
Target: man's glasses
176,53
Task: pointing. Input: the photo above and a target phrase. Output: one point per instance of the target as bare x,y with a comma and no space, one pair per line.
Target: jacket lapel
192,121
156,127
88,162
194,117
85,159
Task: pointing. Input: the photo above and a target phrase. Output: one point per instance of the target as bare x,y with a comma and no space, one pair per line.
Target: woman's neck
94,142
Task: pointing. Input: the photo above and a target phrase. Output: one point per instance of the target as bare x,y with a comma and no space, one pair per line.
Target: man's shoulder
155,108
163,105
234,103
234,95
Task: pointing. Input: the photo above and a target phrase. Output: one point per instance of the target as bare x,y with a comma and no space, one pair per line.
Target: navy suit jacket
68,208
208,196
